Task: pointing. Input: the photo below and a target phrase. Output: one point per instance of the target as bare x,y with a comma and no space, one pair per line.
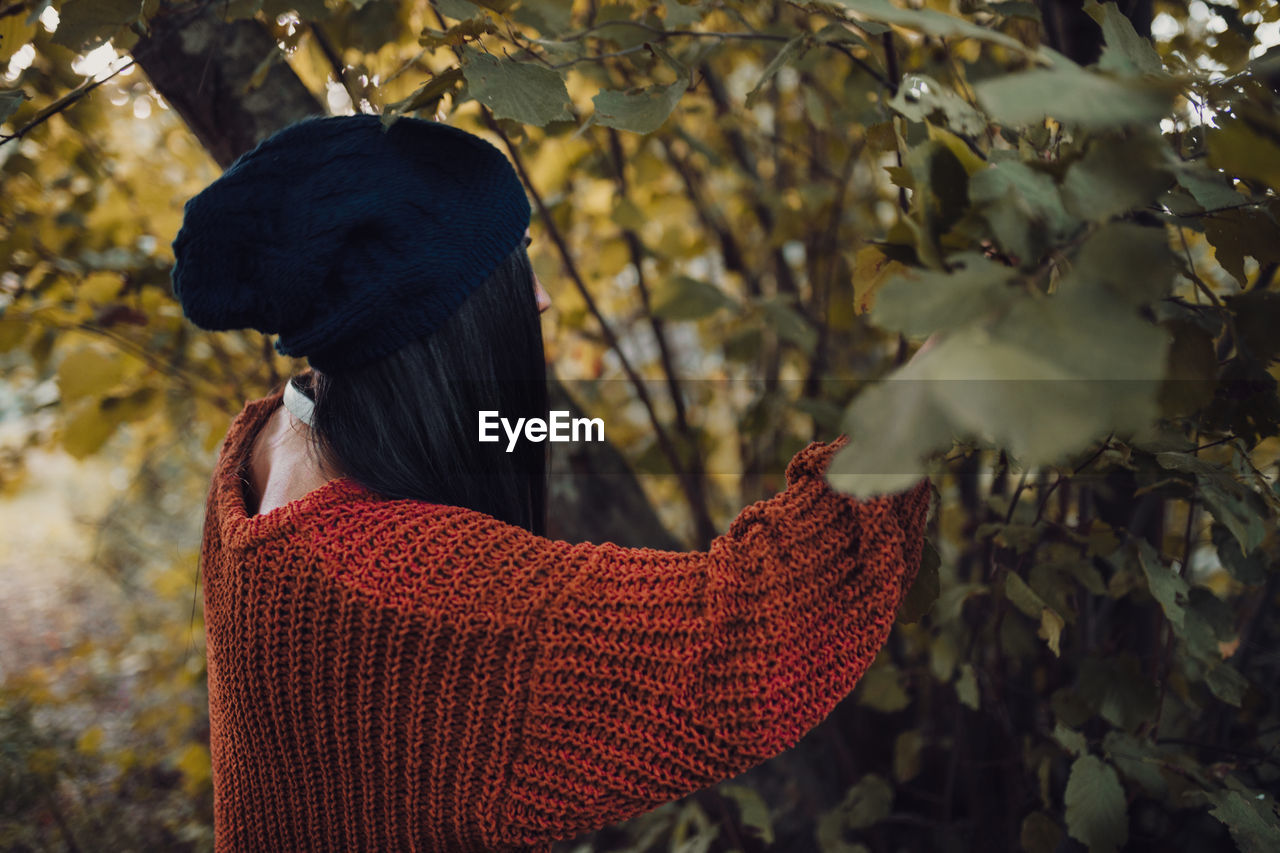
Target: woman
398,659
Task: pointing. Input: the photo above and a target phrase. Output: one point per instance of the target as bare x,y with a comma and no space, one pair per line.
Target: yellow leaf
1051,625
13,330
972,162
871,269
906,755
1240,150
90,740
88,371
14,33
195,766
86,430
100,287
612,257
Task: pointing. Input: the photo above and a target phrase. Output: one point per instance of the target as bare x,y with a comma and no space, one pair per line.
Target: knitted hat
346,239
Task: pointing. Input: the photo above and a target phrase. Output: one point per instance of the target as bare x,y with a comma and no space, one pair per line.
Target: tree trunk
204,67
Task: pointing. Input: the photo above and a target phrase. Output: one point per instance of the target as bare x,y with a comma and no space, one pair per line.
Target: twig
62,104
1191,268
335,62
1106,442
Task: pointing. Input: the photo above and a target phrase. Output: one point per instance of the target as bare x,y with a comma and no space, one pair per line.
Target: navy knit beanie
346,239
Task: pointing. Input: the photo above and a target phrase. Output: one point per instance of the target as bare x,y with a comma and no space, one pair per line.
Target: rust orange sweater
397,675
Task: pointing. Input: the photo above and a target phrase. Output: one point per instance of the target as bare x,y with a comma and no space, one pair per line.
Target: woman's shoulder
422,556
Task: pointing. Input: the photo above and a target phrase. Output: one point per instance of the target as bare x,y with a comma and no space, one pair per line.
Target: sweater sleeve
656,674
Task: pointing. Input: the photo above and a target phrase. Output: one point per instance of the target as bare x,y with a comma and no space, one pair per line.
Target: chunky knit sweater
391,675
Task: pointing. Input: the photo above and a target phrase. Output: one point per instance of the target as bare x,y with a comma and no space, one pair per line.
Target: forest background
748,215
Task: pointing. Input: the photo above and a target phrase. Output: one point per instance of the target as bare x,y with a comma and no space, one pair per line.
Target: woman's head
393,259
406,425
348,239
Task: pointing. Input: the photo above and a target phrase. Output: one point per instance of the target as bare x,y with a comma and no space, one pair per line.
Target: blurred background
747,215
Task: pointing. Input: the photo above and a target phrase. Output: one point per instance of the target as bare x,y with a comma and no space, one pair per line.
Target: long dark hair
406,426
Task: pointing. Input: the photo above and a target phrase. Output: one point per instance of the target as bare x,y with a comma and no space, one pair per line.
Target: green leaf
1039,833
1029,602
1070,740
919,302
548,17
1047,380
1126,52
1232,503
426,96
643,111
867,803
613,22
1250,569
967,687
1254,828
1075,96
683,298
1023,207
752,810
880,460
459,10
521,91
1137,760
928,21
1095,806
941,186
920,98
1115,176
10,102
1016,9
1166,586
1022,596
1053,376
906,755
1211,190
679,15
1117,690
790,324
794,47
881,689
924,591
1227,684
85,24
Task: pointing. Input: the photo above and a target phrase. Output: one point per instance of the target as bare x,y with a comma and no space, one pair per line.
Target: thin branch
1191,270
1044,501
876,75
61,104
335,62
